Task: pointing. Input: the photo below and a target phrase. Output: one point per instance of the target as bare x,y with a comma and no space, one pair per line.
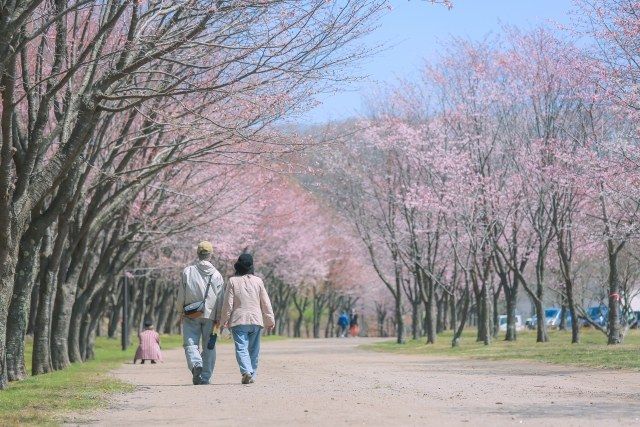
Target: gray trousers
196,332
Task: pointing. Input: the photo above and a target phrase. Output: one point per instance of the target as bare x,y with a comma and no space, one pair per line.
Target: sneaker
247,378
197,371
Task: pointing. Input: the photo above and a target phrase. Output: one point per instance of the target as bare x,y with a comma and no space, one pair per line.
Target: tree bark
563,317
484,316
9,260
453,312
61,319
614,328
575,324
20,303
511,297
431,311
541,327
41,359
466,298
301,305
495,318
415,319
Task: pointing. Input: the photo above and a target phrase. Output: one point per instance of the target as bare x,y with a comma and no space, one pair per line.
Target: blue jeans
247,341
194,332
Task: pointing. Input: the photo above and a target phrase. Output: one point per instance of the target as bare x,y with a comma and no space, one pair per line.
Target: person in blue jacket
343,323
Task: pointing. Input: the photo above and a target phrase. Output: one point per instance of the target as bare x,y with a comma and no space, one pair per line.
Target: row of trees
510,166
310,261
303,252
128,128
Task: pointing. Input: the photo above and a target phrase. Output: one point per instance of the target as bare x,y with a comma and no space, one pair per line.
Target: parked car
503,323
636,322
598,314
552,317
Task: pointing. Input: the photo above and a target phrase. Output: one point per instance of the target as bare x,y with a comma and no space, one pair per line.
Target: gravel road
332,382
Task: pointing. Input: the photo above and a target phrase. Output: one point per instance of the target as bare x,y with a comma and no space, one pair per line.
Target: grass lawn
42,399
592,351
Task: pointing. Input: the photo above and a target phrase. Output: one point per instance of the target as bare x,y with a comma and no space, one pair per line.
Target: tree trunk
9,260
61,319
165,307
415,319
565,253
11,226
614,328
20,304
41,360
511,297
381,315
301,306
318,310
453,312
563,318
398,316
331,321
33,309
431,312
444,310
541,327
78,312
575,324
495,319
439,315
466,298
90,322
484,316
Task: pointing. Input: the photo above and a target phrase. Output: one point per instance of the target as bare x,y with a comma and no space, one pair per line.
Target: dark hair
148,323
244,265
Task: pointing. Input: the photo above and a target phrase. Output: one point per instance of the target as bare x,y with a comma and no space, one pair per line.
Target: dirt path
331,382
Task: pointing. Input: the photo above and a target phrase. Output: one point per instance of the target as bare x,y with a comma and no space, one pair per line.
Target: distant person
343,324
354,328
246,311
149,348
200,291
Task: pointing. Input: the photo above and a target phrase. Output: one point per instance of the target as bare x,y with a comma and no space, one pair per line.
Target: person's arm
217,308
219,304
267,310
227,305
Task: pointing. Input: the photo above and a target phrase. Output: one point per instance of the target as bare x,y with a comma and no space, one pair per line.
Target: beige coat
246,303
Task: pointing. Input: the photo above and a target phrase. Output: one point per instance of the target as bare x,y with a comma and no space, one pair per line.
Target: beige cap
205,247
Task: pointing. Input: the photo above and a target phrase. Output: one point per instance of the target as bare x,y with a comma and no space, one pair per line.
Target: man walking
343,323
199,298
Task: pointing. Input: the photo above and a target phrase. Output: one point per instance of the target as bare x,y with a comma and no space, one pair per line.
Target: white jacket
194,285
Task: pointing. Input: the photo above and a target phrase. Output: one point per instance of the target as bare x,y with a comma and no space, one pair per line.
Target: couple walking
242,305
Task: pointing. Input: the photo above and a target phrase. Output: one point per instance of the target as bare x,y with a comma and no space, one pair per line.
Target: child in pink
149,348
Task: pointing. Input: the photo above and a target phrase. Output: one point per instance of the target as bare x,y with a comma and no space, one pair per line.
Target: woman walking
246,310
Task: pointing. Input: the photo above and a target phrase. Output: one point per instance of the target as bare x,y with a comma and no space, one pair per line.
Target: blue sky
413,30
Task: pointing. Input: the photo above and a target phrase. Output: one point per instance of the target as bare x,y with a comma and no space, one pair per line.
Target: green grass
592,351
43,399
